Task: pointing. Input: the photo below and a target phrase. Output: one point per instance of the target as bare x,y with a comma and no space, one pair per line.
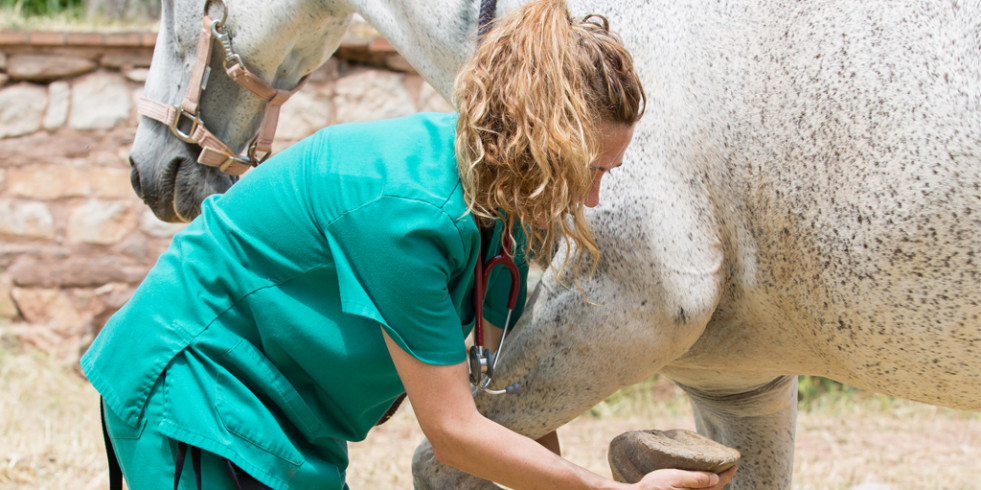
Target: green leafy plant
35,8
814,390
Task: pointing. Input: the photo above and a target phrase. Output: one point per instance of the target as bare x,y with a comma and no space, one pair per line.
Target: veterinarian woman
286,319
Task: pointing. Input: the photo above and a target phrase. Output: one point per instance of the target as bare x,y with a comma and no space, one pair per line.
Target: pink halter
185,122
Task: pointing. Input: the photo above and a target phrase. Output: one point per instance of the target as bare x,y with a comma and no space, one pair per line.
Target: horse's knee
776,396
430,474
425,468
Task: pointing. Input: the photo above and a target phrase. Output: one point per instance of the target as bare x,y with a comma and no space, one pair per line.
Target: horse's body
802,197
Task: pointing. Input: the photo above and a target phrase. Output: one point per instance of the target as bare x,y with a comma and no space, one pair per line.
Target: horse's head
279,42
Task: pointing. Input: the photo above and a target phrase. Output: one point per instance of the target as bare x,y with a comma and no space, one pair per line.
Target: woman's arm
492,339
461,437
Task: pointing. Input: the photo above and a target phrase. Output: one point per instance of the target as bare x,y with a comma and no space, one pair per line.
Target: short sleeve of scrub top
398,257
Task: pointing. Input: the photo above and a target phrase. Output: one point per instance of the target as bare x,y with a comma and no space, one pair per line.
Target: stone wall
74,238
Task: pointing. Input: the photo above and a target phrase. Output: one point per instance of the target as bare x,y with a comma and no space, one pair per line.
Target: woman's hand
679,479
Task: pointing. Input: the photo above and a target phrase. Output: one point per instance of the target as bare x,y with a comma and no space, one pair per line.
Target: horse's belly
882,336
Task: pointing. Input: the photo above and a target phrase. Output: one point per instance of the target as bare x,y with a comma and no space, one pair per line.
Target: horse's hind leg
759,422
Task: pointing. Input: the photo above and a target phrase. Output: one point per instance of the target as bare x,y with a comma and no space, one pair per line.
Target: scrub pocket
238,405
258,427
253,402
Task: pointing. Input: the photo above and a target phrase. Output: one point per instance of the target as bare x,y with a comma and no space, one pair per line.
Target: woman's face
614,143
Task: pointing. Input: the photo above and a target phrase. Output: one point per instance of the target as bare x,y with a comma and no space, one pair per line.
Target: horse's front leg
758,420
529,358
568,355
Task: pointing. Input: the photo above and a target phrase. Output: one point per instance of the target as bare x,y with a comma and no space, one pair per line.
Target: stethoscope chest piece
481,370
481,365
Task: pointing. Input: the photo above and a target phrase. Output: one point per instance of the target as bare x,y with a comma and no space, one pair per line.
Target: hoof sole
634,454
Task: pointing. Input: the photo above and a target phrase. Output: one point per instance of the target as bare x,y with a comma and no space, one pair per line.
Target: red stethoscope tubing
482,275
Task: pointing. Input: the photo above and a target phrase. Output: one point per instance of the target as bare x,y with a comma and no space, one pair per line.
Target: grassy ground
50,436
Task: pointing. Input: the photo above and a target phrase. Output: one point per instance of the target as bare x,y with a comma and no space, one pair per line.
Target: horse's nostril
134,179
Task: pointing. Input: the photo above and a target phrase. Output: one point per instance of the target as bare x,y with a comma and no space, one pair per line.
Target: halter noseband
185,121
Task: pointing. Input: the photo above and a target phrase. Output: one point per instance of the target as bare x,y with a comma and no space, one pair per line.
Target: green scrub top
259,330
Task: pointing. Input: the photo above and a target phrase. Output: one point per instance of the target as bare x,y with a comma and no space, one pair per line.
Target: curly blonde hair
531,103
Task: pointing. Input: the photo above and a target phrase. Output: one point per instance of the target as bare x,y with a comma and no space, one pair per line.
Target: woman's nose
592,199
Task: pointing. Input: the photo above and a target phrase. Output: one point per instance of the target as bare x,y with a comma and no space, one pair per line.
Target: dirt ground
50,436
861,441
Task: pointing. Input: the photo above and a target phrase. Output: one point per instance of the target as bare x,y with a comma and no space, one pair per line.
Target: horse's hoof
637,453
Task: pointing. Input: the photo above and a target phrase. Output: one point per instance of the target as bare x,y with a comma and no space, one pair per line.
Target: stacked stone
75,240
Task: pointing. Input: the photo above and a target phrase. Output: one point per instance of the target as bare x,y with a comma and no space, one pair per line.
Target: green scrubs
257,335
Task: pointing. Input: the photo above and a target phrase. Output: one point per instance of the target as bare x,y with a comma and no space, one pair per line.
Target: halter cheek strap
185,122
487,11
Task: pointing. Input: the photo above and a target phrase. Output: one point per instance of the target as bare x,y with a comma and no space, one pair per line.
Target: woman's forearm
462,437
483,448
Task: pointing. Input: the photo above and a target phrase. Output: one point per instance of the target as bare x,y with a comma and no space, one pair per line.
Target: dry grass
895,442
50,436
843,442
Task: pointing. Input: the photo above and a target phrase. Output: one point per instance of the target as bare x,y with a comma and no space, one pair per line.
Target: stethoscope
482,360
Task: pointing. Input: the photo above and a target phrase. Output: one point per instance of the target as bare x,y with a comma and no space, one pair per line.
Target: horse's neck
280,41
435,36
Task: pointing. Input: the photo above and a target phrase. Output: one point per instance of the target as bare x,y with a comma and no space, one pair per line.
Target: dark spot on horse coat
681,318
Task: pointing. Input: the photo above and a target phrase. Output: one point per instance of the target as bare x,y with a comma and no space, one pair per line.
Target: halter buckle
254,159
234,160
186,136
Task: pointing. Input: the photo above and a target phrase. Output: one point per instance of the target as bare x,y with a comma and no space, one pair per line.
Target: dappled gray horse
802,197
